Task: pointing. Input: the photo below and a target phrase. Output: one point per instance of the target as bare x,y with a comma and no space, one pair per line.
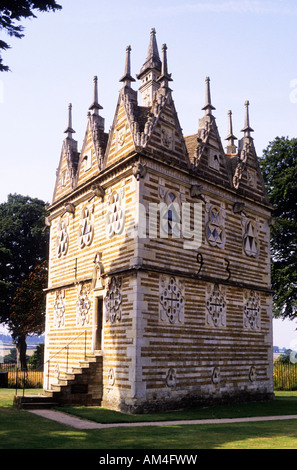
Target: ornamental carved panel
251,244
216,375
62,241
215,225
59,309
86,227
171,378
167,137
215,306
171,300
115,214
113,300
252,310
83,305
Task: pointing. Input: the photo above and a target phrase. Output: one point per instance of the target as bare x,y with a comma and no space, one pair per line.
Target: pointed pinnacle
208,106
165,76
231,137
95,106
127,78
153,59
69,129
247,129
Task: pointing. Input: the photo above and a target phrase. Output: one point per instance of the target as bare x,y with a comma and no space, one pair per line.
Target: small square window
87,161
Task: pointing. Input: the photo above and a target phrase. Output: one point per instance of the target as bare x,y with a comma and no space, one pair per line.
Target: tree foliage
27,315
28,305
23,245
279,167
14,11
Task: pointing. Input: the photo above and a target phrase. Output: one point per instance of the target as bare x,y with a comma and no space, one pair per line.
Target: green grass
20,429
285,403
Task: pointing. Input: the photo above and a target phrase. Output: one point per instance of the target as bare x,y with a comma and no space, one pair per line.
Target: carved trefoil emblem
83,306
111,377
253,374
171,378
252,310
172,300
62,237
113,300
216,375
59,309
215,306
86,228
115,215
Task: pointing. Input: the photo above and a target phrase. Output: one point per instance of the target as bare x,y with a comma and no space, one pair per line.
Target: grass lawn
20,429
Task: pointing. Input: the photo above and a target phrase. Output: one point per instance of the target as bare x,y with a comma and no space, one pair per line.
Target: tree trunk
21,348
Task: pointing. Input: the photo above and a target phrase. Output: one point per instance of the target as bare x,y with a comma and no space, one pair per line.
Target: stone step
34,402
56,387
90,359
85,364
69,376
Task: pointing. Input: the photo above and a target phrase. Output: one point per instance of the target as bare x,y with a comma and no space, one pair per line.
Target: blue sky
248,48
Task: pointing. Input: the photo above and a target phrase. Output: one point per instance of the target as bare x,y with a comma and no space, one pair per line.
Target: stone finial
208,106
165,76
69,129
95,106
231,148
127,78
247,129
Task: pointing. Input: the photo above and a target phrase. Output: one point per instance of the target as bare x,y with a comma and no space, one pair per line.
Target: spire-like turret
127,78
150,72
165,76
69,129
231,147
153,59
208,106
247,129
95,106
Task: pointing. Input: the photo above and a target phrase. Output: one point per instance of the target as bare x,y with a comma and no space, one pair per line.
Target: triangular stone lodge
159,293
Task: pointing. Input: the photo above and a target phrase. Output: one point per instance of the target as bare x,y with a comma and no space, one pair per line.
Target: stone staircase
82,386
